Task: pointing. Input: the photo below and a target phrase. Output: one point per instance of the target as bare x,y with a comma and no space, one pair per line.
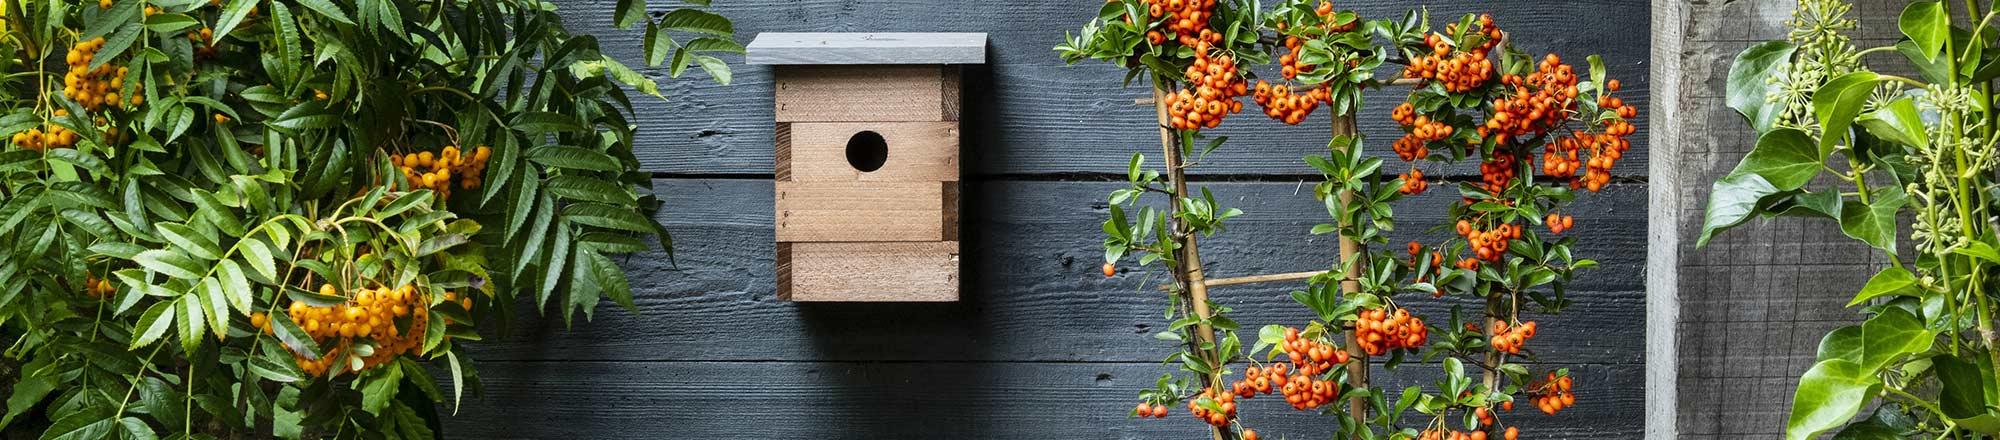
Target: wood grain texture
867,48
918,151
1032,291
1753,305
945,400
863,93
860,211
1029,114
868,272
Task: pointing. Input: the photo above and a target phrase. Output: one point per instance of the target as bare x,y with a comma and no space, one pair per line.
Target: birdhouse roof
822,48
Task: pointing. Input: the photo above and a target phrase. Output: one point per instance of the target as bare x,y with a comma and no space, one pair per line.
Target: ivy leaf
1889,335
1785,157
1927,25
1829,394
1874,222
1731,201
1898,122
1837,103
1748,82
1891,281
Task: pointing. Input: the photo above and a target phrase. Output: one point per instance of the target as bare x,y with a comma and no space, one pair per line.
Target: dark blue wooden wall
1041,346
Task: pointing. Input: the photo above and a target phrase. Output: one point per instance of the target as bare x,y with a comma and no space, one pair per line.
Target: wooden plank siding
1040,345
1752,306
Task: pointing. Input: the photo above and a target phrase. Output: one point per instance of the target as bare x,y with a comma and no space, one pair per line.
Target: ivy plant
1841,142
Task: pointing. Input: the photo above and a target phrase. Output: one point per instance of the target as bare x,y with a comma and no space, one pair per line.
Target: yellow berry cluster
370,314
204,39
96,88
424,170
47,136
98,288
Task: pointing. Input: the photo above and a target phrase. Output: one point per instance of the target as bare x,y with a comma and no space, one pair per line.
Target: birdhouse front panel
866,161
867,93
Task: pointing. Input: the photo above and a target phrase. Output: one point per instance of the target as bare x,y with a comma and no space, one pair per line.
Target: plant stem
1357,366
1188,273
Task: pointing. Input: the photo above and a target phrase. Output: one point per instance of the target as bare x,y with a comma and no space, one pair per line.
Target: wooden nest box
867,162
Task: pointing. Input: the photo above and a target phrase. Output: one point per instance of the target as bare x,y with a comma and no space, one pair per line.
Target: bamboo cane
1357,367
1189,273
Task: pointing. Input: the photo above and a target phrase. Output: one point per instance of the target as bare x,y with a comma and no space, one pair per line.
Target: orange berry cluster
1413,183
1153,410
1559,223
1280,102
423,170
98,288
1379,331
1311,357
93,89
1509,339
1437,263
1186,19
1553,395
370,314
1459,71
1225,401
1442,434
1538,103
204,39
1488,245
1422,131
1213,89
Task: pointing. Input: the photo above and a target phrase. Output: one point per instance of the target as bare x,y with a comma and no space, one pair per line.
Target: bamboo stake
1189,272
1357,367
1254,279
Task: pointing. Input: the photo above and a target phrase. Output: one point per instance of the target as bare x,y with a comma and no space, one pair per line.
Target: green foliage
185,185
1917,150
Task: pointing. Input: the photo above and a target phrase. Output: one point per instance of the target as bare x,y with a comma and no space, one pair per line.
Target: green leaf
1842,343
609,277
1749,83
1829,394
627,13
694,20
1967,387
170,263
258,254
574,158
90,424
1837,103
116,44
608,216
381,387
403,203
294,338
215,305
1874,222
1731,201
1891,334
1926,24
232,15
191,319
28,392
715,67
545,122
590,190
187,239
235,286
326,8
1897,122
1891,281
1785,157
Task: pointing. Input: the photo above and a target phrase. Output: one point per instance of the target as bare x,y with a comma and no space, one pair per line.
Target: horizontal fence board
1032,286
839,400
1028,113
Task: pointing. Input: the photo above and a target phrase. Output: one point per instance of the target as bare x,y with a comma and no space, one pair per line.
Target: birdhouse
867,162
